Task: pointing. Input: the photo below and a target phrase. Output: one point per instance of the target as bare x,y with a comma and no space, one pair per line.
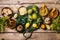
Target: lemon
29,16
27,25
42,26
34,16
35,26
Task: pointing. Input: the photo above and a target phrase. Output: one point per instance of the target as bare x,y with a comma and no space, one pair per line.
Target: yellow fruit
42,26
27,25
35,25
15,16
29,16
34,16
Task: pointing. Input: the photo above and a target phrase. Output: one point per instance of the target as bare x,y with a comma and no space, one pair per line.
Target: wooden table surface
40,34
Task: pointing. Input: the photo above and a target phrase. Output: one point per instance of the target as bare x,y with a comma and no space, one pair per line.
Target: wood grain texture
15,4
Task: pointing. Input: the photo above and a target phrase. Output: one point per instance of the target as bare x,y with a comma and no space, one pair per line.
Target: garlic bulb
47,20
6,11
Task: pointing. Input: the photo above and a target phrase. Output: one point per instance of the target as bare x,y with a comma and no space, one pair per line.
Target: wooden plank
35,36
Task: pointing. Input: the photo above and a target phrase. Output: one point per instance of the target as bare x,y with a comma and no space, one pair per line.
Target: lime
34,16
30,11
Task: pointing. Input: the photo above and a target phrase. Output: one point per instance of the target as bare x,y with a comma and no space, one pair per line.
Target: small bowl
11,23
3,14
19,9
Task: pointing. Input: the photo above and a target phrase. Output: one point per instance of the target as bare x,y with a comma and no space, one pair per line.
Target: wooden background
40,34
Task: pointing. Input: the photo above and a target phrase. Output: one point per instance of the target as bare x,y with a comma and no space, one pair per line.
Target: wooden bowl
6,11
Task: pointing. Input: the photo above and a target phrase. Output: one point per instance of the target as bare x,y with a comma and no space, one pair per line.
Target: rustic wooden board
42,35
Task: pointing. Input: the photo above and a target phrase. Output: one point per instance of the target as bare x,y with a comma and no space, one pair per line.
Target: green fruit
34,16
38,20
15,16
34,8
30,11
29,16
29,20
